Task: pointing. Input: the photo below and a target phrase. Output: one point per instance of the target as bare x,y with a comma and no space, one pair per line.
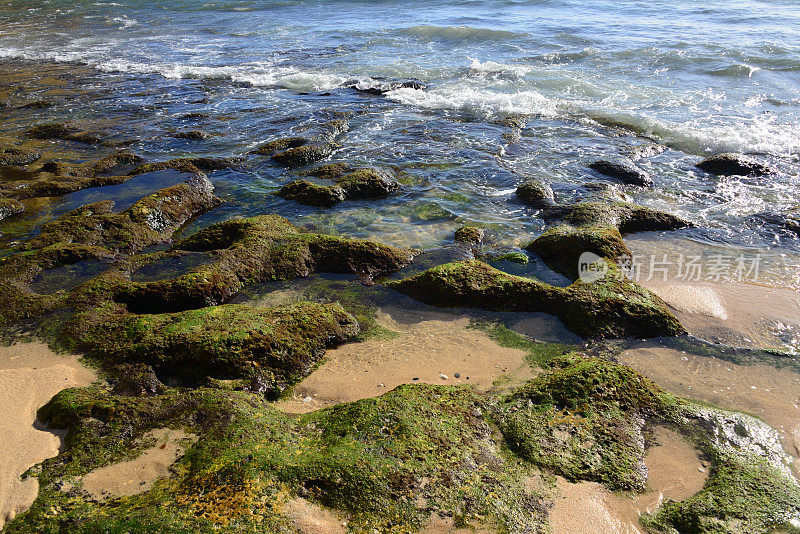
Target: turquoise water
664,82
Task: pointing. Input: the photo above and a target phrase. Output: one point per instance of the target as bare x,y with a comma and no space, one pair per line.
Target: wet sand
675,472
438,349
761,390
736,313
30,374
309,518
138,475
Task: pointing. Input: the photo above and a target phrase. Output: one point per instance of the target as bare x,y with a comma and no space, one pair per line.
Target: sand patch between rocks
761,390
431,351
135,476
309,518
30,374
675,472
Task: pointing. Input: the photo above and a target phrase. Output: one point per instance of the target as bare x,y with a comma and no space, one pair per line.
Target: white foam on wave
492,67
458,33
480,102
702,136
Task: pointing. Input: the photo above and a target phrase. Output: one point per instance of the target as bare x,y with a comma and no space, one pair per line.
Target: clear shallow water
595,78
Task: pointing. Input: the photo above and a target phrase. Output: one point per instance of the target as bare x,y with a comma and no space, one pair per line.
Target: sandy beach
30,374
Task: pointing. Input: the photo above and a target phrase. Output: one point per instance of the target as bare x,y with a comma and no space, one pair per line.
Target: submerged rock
470,235
312,194
624,171
193,135
299,151
367,183
64,132
536,193
728,164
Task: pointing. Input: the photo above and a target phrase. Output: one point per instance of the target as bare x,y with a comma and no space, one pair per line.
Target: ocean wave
481,103
735,71
458,33
756,135
492,67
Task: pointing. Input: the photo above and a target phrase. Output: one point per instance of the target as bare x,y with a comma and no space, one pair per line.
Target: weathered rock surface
728,164
536,193
623,171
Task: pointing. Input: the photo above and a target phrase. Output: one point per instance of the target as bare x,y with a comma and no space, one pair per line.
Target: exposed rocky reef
611,307
316,145
362,183
390,463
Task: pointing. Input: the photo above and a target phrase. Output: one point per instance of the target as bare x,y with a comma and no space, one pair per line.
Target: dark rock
194,135
727,164
536,193
367,183
65,133
469,235
312,194
624,171
304,154
380,86
37,104
135,380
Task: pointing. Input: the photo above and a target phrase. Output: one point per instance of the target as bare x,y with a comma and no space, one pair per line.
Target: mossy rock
584,420
312,194
596,227
389,462
367,183
10,207
386,463
562,246
261,249
153,219
610,307
231,341
469,235
304,154
329,171
536,193
55,178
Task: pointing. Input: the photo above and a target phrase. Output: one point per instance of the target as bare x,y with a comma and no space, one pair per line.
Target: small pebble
381,385
701,469
442,376
457,375
307,399
415,378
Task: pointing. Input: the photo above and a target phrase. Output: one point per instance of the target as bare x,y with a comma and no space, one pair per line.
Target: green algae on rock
312,194
279,344
153,219
389,462
536,193
596,227
610,307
